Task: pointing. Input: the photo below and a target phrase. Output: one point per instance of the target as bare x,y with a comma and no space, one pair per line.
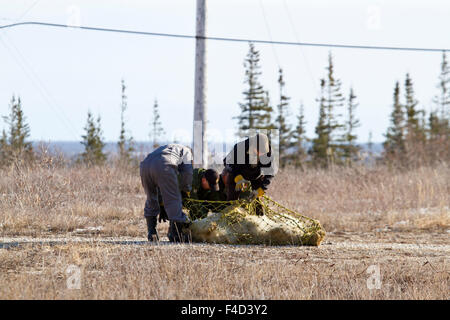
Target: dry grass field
396,221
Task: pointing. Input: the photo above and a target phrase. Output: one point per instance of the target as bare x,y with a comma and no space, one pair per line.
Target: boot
179,232
151,228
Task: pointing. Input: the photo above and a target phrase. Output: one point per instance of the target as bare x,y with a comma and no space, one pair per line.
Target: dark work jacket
251,172
177,156
199,210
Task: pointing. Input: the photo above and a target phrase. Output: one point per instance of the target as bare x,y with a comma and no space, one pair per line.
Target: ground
59,225
411,266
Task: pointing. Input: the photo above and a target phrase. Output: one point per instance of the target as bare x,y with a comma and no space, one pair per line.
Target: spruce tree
125,144
284,129
299,139
415,133
13,143
434,128
333,101
350,148
329,142
442,99
256,111
93,142
438,139
157,131
439,119
321,143
4,149
394,145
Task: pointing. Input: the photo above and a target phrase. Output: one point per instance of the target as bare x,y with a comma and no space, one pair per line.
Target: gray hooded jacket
175,155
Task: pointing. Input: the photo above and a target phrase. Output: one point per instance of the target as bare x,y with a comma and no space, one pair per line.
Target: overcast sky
61,73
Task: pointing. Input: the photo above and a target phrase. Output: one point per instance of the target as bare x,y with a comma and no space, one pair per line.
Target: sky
60,74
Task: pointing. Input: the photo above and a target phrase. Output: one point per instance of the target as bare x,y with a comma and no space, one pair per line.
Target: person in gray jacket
167,170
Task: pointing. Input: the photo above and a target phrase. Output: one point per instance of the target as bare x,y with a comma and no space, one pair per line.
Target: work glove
241,183
258,193
162,214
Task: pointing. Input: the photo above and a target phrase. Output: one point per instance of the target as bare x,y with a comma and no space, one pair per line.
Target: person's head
259,144
210,180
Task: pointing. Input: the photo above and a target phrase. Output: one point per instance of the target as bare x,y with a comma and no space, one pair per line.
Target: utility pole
200,141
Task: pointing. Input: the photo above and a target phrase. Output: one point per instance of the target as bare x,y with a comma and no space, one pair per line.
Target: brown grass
217,272
361,199
49,200
355,205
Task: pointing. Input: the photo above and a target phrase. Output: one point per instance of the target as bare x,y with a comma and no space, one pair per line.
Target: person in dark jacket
167,170
206,185
249,163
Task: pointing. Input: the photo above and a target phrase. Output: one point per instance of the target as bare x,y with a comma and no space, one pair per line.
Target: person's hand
258,193
241,183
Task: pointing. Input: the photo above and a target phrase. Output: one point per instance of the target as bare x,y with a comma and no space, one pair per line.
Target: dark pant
156,174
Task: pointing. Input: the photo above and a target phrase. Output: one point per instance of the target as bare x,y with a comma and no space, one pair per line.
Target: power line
172,35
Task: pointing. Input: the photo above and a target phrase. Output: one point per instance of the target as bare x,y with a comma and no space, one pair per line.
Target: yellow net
261,221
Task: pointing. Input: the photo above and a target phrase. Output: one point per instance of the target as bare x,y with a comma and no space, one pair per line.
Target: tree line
15,145
413,138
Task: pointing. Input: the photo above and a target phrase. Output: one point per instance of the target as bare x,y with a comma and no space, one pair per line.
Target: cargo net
261,221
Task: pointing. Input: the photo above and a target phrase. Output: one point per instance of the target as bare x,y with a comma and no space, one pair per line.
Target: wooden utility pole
200,140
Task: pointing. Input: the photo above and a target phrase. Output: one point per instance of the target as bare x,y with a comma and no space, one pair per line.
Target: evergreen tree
333,101
321,143
394,145
93,142
4,149
439,119
266,122
329,142
350,148
157,130
415,132
284,129
434,128
438,138
255,110
125,145
13,143
412,114
299,139
442,100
